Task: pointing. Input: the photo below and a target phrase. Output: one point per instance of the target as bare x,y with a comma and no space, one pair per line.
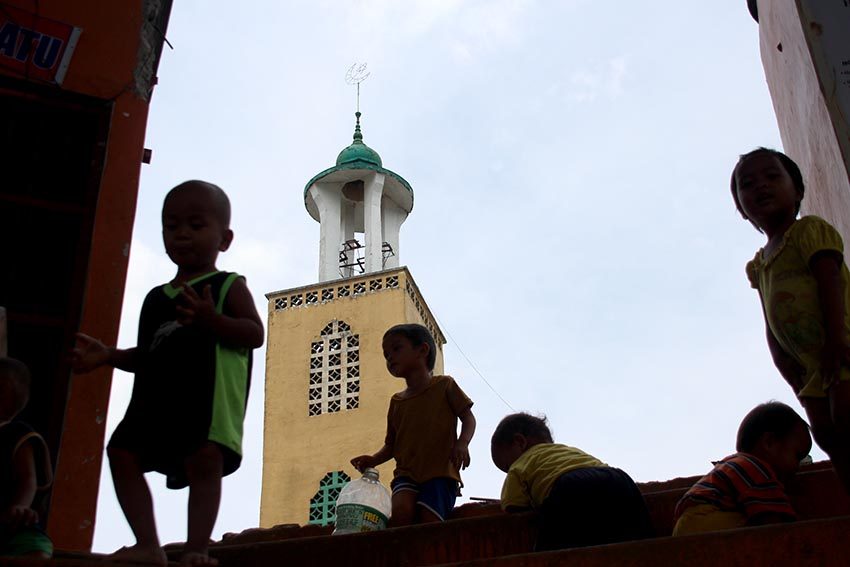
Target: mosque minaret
327,387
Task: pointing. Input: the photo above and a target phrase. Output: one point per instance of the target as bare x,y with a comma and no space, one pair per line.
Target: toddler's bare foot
197,558
141,554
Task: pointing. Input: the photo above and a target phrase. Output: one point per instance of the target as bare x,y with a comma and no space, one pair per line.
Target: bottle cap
371,473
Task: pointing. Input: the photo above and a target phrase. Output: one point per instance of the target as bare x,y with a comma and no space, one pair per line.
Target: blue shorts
438,495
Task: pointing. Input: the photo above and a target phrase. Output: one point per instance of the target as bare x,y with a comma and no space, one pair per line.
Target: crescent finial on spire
355,75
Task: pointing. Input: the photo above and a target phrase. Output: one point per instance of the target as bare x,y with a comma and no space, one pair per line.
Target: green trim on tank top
225,287
171,292
231,386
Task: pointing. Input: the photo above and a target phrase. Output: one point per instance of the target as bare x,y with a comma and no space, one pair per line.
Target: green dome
352,164
358,151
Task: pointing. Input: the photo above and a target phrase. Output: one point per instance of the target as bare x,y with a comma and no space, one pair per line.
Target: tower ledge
306,296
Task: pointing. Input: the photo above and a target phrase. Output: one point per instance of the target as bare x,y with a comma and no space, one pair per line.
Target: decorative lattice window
280,303
334,370
392,282
323,503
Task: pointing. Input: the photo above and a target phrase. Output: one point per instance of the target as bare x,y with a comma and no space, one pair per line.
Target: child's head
14,387
406,346
764,167
514,435
776,434
196,224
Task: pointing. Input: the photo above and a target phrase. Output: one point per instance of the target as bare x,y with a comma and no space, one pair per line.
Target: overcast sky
573,229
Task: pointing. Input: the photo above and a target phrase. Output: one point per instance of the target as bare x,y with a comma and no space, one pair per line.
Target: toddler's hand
460,454
363,462
88,354
195,309
17,517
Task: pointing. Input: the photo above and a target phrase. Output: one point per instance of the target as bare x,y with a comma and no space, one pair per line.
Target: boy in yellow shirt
581,500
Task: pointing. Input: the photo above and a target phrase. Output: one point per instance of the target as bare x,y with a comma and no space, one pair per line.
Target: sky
573,230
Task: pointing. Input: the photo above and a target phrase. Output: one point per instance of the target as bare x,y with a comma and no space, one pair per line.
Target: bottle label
359,518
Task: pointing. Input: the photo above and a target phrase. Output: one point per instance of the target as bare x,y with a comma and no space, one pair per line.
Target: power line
471,365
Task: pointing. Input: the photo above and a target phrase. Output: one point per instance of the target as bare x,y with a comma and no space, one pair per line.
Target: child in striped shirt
746,488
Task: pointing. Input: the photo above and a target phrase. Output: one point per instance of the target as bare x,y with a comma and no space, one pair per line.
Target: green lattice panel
323,503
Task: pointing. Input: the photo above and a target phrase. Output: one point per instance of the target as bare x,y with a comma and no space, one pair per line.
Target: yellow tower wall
299,449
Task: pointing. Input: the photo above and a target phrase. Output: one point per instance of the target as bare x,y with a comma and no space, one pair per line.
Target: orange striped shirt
740,483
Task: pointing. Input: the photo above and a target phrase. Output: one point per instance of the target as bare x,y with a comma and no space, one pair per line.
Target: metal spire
355,75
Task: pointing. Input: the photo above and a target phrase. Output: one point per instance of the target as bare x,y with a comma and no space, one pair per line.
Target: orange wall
102,66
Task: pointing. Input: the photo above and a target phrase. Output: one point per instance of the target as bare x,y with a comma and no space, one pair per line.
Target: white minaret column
393,216
372,196
328,201
347,233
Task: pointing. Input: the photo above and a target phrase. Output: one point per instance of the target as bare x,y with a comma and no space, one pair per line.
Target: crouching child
581,501
747,488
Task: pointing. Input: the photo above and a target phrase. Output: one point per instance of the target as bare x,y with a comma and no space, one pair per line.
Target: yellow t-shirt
790,296
422,430
532,475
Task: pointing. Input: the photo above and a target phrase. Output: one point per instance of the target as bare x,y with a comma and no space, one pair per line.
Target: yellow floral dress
789,294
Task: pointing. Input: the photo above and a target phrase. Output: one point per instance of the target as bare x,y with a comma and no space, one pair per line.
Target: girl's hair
523,423
417,335
792,168
771,417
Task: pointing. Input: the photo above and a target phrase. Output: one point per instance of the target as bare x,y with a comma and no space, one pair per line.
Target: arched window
334,370
323,503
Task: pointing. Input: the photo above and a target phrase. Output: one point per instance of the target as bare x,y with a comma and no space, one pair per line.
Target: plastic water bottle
364,505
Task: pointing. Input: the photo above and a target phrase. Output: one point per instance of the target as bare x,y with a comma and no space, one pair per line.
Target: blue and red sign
35,47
